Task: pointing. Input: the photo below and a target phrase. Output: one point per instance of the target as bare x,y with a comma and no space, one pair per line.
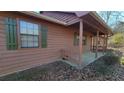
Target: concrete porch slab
89,57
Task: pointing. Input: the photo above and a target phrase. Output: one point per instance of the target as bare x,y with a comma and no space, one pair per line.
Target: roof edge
97,17
43,17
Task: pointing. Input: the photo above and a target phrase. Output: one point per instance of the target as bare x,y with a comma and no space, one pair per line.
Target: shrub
104,67
122,60
110,59
116,40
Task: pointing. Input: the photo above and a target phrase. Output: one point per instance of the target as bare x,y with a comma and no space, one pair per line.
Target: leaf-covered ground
98,70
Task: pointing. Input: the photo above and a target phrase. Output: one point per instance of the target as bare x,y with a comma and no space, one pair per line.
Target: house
29,39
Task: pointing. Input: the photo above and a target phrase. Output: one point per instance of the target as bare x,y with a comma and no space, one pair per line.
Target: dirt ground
60,71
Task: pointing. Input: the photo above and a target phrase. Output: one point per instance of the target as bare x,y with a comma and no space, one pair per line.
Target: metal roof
68,18
47,18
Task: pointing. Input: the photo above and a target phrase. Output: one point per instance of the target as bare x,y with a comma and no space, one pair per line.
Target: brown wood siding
59,37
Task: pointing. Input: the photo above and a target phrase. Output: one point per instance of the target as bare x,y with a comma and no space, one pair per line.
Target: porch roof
72,17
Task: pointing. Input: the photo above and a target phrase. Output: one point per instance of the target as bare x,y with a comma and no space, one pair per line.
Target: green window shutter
11,33
44,31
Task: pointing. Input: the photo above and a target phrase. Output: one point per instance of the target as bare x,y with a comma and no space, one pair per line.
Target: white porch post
97,37
80,41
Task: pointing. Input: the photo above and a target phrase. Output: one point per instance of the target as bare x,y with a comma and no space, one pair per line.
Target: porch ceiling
87,28
93,23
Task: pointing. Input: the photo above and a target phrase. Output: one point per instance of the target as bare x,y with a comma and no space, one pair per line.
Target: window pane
35,44
23,30
30,31
23,41
30,38
36,32
35,26
36,38
23,38
30,44
30,25
23,24
30,28
36,29
24,44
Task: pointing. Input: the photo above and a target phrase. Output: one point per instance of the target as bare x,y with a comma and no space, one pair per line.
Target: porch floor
89,57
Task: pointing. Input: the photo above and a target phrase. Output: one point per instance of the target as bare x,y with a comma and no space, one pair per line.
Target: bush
104,67
110,59
122,60
117,40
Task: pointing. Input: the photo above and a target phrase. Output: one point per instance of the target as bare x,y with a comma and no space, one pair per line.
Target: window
76,39
29,34
84,40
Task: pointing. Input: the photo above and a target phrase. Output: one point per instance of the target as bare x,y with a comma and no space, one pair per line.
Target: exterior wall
59,37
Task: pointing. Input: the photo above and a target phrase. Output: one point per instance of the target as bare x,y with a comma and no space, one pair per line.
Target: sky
113,19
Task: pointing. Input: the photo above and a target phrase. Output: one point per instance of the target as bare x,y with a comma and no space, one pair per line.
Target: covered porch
86,57
97,46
